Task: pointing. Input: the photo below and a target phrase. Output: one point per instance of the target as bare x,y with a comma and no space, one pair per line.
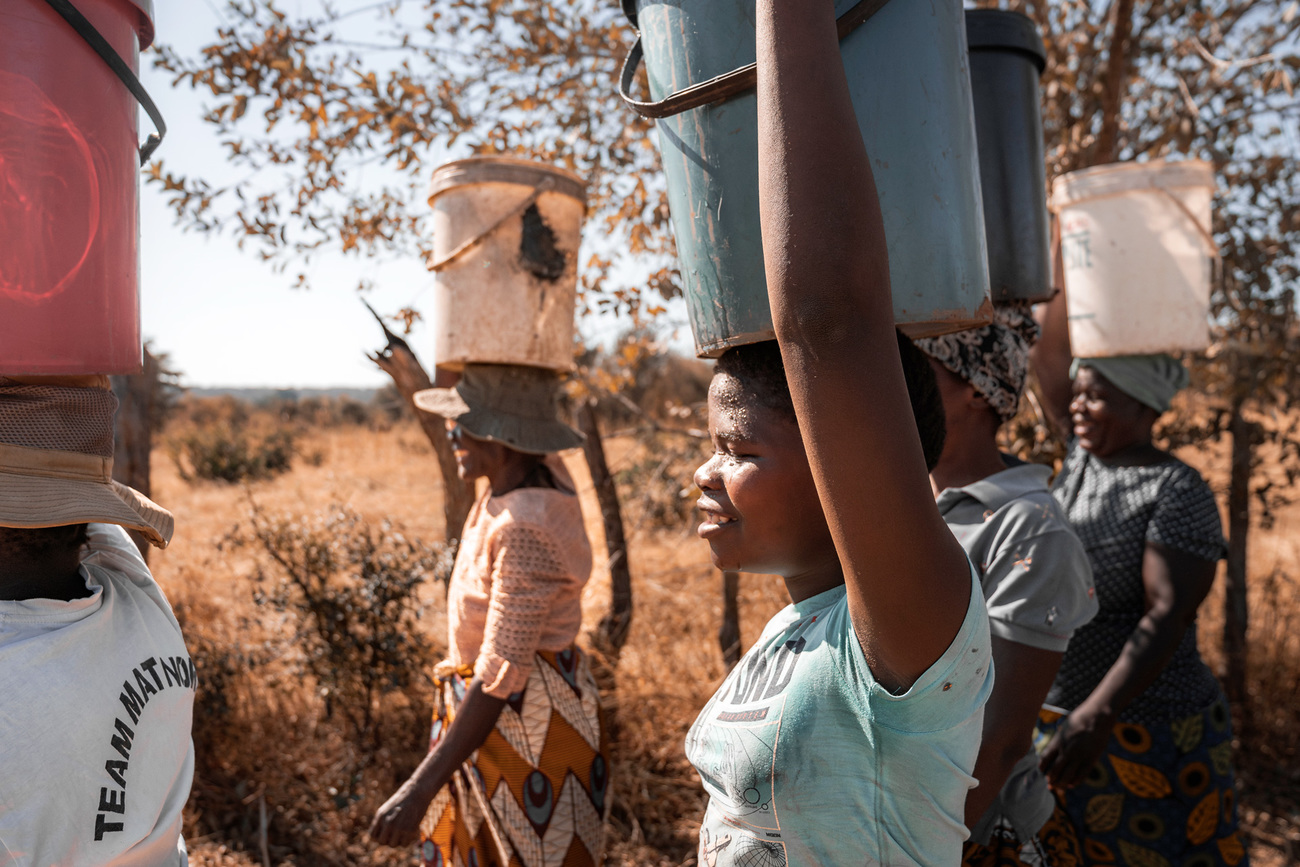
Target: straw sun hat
505,403
56,458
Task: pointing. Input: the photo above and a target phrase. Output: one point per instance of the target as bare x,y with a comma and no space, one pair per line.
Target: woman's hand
397,822
1077,745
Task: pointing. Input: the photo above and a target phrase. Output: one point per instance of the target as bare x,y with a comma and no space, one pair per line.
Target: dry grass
270,741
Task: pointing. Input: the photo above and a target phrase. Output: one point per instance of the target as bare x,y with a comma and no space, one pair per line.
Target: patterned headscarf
993,358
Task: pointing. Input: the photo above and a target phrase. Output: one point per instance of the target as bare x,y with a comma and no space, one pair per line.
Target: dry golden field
282,780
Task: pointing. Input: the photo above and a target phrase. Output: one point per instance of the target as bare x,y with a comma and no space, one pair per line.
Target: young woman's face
759,502
1105,419
474,457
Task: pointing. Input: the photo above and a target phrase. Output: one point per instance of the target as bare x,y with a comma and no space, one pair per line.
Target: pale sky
224,317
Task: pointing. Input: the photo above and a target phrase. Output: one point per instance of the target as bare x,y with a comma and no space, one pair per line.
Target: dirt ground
671,663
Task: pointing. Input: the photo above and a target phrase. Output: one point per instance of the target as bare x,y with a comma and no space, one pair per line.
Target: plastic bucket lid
1000,30
505,170
1118,178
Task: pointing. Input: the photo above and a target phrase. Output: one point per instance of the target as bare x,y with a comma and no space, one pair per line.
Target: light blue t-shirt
807,760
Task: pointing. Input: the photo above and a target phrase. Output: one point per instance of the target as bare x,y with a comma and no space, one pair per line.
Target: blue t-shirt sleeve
951,690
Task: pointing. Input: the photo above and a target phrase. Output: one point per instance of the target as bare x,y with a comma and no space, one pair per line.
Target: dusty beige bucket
505,262
1139,256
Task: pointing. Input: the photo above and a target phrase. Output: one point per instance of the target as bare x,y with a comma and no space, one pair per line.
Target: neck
807,584
970,453
513,472
1139,453
54,578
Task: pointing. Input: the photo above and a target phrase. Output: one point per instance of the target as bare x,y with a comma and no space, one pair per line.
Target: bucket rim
509,170
1005,30
144,30
1096,181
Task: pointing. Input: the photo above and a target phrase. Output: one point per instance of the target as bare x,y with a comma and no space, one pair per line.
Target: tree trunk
1106,148
729,632
399,362
133,434
1234,596
613,630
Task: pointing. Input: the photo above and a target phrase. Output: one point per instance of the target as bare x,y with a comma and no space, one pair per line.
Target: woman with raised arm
517,771
1143,759
848,733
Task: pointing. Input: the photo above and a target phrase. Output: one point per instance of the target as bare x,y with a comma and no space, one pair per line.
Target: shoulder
116,560
545,509
539,520
952,690
1032,513
1184,480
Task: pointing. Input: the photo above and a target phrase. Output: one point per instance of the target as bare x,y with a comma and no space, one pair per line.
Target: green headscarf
1152,380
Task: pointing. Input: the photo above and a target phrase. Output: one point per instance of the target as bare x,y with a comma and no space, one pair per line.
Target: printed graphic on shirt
146,680
733,746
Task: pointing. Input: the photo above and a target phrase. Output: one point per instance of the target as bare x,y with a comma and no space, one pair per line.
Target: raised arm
828,283
1051,356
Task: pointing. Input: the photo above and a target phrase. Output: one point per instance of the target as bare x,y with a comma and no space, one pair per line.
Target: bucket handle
544,185
1216,258
722,87
95,39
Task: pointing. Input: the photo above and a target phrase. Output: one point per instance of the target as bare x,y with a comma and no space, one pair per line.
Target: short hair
760,371
35,543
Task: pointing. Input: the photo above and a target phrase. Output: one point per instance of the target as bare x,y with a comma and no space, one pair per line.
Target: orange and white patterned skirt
536,794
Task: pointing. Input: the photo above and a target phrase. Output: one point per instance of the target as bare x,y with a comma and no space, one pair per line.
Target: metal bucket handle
544,185
95,39
722,87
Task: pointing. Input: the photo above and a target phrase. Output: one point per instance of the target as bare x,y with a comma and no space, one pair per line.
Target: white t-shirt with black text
96,700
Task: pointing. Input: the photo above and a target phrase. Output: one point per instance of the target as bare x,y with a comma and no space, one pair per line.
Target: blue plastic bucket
907,69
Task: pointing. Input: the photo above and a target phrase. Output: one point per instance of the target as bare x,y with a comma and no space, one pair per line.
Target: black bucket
1006,60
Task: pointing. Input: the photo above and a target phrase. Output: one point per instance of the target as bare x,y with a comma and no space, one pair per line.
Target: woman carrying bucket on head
848,732
1143,758
518,765
1035,579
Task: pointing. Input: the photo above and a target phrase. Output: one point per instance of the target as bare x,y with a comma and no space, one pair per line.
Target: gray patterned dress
1116,511
1162,794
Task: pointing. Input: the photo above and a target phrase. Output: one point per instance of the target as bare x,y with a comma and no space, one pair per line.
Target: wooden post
1235,611
613,630
729,632
399,362
133,434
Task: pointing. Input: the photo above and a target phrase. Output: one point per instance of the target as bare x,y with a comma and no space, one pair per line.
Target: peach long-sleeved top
517,584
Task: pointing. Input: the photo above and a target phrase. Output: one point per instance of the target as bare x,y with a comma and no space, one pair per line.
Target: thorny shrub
314,700
231,454
351,596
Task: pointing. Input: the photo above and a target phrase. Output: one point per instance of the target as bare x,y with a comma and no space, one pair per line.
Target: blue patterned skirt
1161,795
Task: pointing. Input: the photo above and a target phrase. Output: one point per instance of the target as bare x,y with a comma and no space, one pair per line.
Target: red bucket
69,197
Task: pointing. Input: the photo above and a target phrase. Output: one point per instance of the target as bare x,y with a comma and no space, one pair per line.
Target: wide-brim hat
56,459
505,403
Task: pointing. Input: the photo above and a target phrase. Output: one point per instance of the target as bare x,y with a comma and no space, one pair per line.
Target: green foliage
229,453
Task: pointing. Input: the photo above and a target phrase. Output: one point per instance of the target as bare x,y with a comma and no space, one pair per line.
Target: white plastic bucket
1139,256
505,262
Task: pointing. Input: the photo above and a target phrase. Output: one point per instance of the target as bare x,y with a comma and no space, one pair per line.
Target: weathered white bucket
505,262
1139,256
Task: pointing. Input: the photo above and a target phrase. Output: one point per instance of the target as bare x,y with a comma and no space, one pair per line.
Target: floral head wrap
994,358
